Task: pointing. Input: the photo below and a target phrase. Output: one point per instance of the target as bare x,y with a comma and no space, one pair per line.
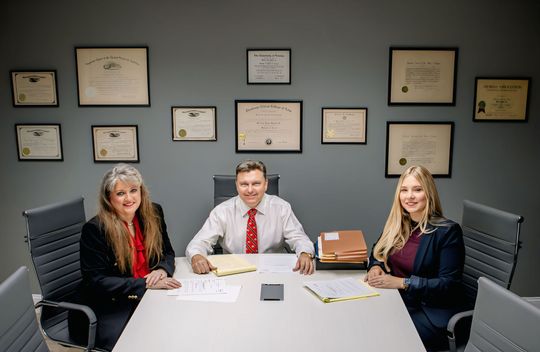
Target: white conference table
301,322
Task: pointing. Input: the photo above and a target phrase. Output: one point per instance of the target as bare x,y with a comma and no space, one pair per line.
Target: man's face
251,187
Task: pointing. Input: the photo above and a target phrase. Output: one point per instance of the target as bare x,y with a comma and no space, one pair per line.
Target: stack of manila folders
347,246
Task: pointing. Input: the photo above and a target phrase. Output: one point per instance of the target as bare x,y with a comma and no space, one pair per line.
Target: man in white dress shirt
274,222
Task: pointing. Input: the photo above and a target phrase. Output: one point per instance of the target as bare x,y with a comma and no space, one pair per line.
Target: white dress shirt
276,225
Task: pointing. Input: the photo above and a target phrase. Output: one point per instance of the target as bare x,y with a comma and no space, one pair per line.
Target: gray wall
339,58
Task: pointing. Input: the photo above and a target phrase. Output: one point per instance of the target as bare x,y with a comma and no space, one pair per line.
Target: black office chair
53,234
225,188
491,248
503,321
19,329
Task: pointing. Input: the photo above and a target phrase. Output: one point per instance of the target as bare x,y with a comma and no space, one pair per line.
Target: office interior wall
340,49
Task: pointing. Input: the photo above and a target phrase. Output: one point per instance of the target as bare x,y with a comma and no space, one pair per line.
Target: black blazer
436,283
111,294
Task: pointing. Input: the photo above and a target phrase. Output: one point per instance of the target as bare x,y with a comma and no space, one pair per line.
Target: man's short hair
250,165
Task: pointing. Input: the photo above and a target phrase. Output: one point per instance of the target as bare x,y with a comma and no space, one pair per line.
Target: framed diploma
501,99
422,76
115,143
344,125
39,142
194,123
268,126
112,76
269,66
419,143
34,88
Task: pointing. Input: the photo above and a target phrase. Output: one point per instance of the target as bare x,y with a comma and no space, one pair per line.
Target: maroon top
402,261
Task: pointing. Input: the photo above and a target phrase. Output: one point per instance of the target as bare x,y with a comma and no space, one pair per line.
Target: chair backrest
19,331
503,321
491,246
225,187
53,234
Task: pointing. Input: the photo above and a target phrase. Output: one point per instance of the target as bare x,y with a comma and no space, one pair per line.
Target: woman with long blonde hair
125,249
422,254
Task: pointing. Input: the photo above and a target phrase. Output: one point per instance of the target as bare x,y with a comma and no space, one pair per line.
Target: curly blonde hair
116,232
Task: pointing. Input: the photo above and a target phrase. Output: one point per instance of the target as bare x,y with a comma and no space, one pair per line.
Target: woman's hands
158,279
376,277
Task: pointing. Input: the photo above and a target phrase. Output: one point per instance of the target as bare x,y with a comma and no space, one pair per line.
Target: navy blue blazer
436,281
111,294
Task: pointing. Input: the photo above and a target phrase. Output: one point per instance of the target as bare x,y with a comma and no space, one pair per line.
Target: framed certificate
501,99
344,125
194,123
34,88
39,142
419,143
269,66
112,76
115,143
268,126
422,76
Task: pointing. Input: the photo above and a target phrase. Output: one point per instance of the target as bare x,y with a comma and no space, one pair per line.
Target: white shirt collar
261,207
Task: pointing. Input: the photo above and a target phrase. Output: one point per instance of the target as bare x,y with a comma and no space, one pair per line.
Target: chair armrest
535,301
92,320
451,327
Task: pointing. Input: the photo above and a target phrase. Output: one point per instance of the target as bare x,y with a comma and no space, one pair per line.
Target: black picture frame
183,135
104,140
422,75
39,96
428,143
326,113
268,126
112,76
268,66
27,135
501,99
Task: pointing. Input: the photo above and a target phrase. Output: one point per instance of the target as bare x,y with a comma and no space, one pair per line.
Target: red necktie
252,246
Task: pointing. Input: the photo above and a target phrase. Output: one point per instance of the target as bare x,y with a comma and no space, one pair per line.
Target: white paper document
205,286
340,288
277,263
230,296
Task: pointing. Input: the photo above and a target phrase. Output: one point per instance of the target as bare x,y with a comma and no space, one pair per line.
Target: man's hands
201,265
304,264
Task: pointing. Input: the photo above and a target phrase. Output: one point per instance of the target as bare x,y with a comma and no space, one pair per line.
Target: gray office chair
225,188
19,331
53,233
503,321
491,247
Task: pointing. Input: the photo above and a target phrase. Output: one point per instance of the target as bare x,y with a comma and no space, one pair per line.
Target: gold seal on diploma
242,137
404,89
182,133
22,97
103,152
402,161
26,151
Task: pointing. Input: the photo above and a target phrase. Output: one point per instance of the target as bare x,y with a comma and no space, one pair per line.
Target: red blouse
140,264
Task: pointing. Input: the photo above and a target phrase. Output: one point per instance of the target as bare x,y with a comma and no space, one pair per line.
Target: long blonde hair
117,234
399,224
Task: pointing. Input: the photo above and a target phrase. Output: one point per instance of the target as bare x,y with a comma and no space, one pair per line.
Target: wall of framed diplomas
338,97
